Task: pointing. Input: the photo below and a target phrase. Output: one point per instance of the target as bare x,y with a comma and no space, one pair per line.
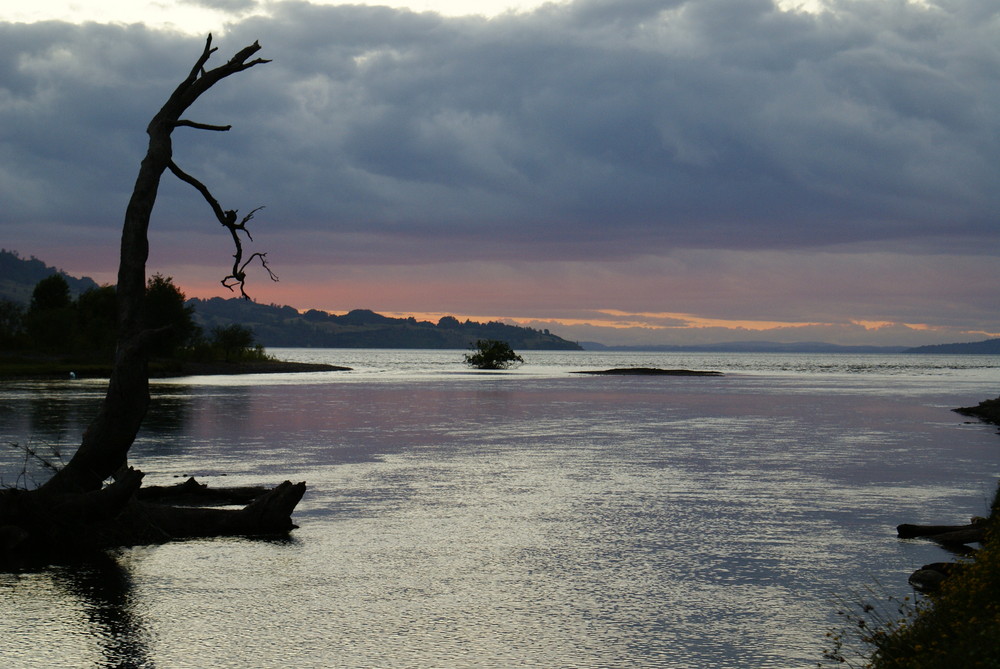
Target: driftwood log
946,535
955,538
192,493
75,511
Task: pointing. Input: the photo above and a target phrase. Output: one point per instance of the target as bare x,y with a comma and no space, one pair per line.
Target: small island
649,371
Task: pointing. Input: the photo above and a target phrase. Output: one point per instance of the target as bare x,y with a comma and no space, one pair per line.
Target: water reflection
523,521
105,588
82,614
169,410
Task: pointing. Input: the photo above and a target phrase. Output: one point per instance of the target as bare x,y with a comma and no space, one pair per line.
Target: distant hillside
988,347
749,347
18,277
285,326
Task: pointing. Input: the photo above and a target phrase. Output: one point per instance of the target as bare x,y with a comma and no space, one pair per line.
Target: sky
619,171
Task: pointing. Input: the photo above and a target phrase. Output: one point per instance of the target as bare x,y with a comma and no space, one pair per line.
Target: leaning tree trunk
74,507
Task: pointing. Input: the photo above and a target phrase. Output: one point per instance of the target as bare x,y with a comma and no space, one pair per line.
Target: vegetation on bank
57,335
956,626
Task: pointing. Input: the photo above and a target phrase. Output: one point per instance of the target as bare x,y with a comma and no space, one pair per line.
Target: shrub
493,354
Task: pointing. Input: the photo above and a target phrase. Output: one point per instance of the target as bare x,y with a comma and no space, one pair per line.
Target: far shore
251,367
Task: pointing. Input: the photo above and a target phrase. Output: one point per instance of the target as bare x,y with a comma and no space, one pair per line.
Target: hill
18,277
988,347
285,326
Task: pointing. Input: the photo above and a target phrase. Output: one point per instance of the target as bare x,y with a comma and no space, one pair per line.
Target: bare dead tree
75,502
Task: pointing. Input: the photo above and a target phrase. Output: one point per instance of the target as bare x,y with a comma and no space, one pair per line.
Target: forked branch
227,218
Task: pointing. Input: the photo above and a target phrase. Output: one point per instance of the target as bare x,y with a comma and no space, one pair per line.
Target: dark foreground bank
956,623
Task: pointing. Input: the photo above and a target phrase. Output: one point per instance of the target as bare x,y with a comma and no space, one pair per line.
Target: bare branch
200,80
227,219
201,126
203,189
199,66
238,277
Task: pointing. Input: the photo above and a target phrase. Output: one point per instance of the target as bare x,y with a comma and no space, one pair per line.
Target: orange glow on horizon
612,319
693,321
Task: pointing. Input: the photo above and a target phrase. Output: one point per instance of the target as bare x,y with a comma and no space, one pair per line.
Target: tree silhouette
74,508
493,354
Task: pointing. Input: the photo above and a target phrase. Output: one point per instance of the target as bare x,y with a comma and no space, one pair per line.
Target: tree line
54,323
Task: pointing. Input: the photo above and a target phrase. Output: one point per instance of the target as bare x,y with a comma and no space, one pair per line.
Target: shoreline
51,369
247,367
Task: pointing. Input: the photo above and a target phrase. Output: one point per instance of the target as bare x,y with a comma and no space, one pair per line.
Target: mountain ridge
276,325
18,277
987,347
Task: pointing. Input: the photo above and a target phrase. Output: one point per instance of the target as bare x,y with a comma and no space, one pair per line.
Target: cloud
234,6
742,154
676,124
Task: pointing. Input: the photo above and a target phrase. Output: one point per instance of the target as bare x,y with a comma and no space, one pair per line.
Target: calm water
531,518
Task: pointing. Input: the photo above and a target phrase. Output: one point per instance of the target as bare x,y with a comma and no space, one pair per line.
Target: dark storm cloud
581,131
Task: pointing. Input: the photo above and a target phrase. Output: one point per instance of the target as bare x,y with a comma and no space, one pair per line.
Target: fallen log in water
40,526
268,514
192,493
971,533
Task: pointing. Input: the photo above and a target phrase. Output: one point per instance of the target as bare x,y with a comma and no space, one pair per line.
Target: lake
534,518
